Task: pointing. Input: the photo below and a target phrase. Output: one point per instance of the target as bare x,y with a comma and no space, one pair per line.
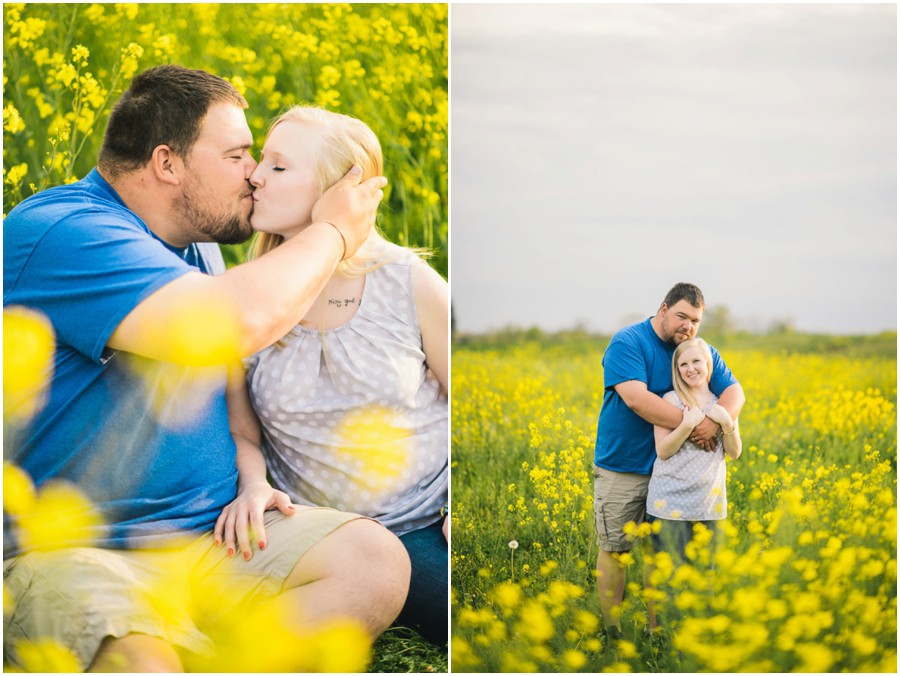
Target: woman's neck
702,393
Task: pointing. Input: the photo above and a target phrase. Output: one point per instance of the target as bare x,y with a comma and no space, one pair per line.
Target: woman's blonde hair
344,141
681,388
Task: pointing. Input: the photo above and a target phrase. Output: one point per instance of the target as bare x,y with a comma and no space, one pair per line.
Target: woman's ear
166,165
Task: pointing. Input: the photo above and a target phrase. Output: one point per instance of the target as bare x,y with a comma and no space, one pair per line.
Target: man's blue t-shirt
147,442
625,440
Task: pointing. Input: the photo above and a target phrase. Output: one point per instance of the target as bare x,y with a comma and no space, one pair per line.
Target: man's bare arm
648,405
261,300
733,400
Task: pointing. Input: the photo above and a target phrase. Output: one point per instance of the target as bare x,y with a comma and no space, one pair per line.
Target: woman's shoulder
391,256
672,398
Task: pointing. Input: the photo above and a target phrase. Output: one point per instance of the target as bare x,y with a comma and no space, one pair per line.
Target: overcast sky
601,153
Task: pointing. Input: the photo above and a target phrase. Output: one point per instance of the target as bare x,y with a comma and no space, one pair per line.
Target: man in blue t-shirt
125,266
637,372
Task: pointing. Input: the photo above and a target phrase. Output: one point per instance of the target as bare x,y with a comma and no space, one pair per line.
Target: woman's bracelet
343,239
728,434
445,510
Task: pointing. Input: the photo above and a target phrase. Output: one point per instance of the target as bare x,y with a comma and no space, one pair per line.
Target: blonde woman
687,484
353,400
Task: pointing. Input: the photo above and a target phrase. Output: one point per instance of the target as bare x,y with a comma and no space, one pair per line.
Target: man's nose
251,166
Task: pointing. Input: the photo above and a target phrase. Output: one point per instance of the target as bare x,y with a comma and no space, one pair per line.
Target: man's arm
732,400
649,406
254,304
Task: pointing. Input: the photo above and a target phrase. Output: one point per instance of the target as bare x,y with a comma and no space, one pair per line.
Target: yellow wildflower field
64,66
804,580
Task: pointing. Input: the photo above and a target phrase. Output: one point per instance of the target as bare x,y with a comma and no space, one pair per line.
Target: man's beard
671,340
209,227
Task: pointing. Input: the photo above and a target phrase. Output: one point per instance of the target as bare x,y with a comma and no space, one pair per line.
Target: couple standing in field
669,417
343,405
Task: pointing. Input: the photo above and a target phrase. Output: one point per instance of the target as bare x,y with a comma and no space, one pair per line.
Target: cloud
588,140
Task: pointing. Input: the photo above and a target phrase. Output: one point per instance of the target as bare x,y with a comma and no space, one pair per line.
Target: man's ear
166,165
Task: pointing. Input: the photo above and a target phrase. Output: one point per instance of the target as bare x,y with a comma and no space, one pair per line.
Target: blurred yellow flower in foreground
263,638
201,340
46,656
28,346
371,440
507,595
18,490
59,516
199,334
535,622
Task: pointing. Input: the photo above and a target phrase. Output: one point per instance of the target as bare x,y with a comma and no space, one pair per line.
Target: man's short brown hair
685,291
165,105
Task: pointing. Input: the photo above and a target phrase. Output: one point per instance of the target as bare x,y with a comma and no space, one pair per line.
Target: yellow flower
377,442
625,559
627,649
15,175
464,658
507,595
80,55
548,567
815,657
574,659
535,622
586,622
28,348
60,516
19,496
44,655
12,121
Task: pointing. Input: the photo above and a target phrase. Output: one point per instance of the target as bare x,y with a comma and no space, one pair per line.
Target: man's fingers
376,183
352,177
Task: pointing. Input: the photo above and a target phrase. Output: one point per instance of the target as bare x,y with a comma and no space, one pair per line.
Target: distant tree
782,327
718,320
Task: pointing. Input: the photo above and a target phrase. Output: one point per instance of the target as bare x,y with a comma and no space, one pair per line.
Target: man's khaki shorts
619,497
77,597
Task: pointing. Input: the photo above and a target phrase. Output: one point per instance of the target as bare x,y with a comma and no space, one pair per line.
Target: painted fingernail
262,546
230,552
217,543
247,556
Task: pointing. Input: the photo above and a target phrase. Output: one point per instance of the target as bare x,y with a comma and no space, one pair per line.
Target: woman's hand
720,416
445,527
692,416
243,519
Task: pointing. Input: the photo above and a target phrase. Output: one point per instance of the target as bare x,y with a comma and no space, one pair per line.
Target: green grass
402,651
